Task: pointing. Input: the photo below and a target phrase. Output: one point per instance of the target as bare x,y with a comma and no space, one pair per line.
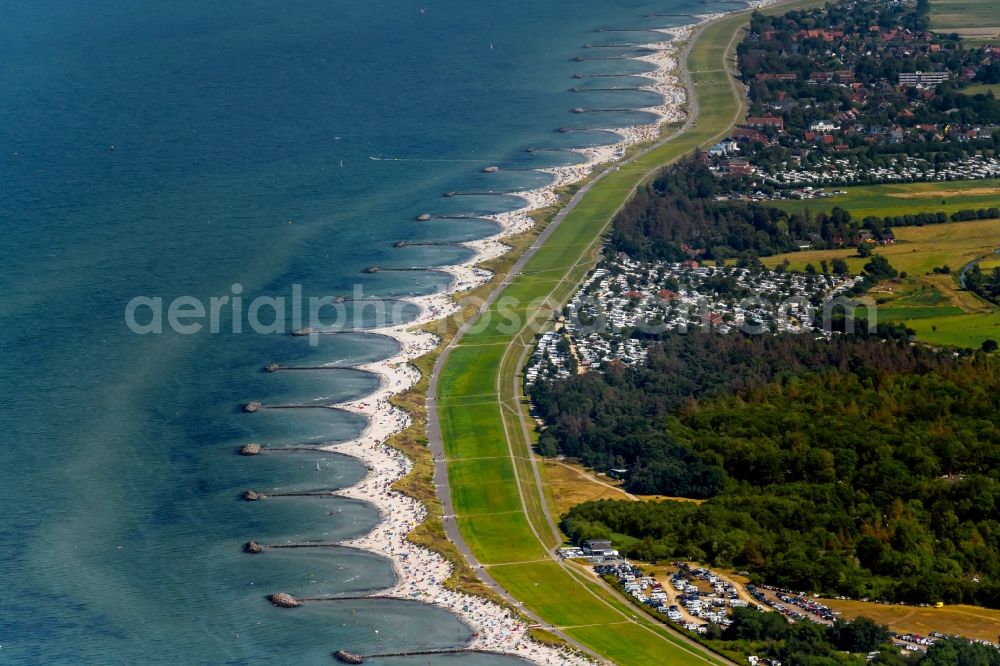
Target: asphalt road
433,423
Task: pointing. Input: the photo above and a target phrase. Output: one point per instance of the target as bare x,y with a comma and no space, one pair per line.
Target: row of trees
680,208
805,644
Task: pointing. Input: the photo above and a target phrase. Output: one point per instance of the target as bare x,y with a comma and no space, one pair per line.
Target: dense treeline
679,211
618,418
874,471
883,225
805,643
983,284
967,214
679,208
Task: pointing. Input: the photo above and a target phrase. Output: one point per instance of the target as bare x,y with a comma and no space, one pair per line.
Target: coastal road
435,442
515,395
704,135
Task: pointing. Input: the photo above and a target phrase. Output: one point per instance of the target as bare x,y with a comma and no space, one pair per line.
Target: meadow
930,303
983,88
903,198
917,250
969,621
977,21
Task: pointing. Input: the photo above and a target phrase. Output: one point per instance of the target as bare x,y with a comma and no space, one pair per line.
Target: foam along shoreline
421,572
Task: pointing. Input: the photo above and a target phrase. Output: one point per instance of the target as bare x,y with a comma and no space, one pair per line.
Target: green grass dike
499,506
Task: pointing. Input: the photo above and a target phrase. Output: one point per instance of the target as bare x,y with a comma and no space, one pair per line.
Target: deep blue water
175,149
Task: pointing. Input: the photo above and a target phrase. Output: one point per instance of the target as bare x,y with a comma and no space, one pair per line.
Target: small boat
348,657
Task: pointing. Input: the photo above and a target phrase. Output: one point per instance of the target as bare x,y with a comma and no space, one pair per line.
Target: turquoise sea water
175,149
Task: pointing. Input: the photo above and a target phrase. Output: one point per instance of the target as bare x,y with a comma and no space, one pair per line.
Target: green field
983,88
918,250
932,304
965,330
901,199
977,21
489,448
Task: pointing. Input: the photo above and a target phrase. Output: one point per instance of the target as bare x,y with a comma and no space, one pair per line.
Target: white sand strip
421,572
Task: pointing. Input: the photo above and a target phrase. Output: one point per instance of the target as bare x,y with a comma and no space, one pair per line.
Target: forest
866,468
680,208
619,418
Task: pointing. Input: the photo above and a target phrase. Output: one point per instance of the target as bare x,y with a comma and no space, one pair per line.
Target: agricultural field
977,21
968,621
965,330
987,265
904,198
918,250
930,303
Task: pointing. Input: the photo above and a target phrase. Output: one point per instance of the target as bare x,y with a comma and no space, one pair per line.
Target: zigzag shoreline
421,572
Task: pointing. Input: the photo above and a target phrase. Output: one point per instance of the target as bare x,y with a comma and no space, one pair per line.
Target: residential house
766,121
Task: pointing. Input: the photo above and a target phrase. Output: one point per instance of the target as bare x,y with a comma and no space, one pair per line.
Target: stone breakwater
420,572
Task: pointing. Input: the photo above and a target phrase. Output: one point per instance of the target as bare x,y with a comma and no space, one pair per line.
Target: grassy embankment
931,303
499,507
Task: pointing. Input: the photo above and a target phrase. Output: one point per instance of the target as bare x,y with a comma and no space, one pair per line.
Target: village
625,304
873,97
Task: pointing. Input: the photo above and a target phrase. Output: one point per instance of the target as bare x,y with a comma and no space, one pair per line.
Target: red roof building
747,134
767,121
713,318
739,167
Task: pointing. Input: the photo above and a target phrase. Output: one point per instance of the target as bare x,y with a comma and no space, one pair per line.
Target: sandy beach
421,572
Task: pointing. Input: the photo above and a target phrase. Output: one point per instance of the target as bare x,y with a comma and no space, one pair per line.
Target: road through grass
497,498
